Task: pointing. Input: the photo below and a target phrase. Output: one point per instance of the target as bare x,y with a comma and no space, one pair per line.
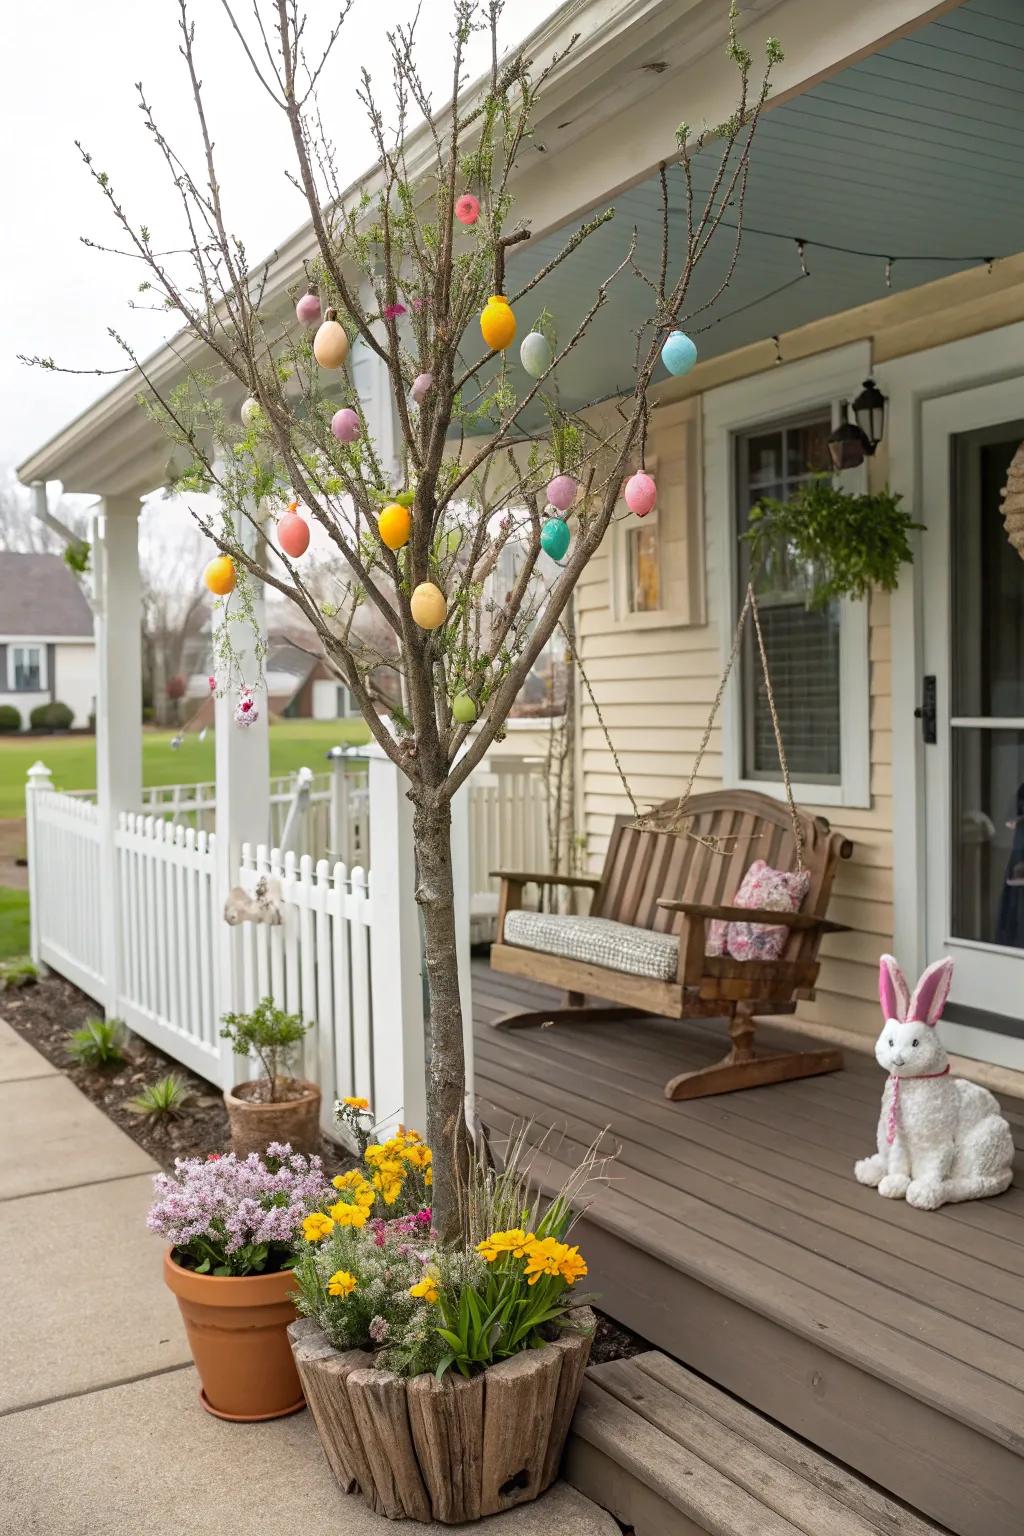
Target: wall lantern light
853,441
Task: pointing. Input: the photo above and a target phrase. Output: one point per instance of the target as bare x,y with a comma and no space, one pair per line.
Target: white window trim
788,391
27,645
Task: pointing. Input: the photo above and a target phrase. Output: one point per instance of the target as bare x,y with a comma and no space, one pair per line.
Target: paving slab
84,1304
52,1137
145,1459
18,1059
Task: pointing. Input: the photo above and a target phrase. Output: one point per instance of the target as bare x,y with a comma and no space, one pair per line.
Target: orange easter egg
330,344
220,575
293,533
394,525
497,323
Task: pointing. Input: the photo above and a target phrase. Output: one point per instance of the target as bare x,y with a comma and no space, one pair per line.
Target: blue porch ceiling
916,152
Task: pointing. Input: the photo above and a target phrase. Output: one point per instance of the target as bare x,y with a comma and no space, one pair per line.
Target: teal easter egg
554,537
679,353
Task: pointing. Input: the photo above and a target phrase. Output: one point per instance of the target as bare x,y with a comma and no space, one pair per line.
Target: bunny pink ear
893,992
931,992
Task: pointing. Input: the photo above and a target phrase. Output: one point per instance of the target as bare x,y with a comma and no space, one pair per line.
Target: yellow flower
356,1103
316,1226
350,1180
429,1179
425,1289
572,1267
546,1257
341,1283
417,1155
365,1196
346,1215
515,1241
375,1153
389,1187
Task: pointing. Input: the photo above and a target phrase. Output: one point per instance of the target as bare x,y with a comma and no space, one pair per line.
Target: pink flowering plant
237,1216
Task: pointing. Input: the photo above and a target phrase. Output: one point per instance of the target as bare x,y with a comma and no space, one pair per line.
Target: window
802,647
643,565
26,668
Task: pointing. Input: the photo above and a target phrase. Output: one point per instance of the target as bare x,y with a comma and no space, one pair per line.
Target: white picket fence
64,883
507,830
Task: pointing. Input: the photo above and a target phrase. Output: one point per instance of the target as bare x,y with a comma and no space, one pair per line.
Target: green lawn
13,922
72,759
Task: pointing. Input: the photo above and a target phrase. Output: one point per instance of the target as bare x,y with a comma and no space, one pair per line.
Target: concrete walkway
101,1431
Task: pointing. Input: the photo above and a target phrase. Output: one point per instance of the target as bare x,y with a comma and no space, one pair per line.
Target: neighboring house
887,171
47,650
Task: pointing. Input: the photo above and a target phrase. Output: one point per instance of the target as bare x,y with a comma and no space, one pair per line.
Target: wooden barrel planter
450,1450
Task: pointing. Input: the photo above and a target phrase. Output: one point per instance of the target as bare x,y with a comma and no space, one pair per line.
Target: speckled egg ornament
421,387
464,709
293,532
555,537
467,208
330,344
246,712
220,576
307,310
345,424
394,525
497,323
535,354
250,411
640,493
428,606
679,353
561,492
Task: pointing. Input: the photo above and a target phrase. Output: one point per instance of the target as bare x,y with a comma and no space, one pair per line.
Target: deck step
669,1454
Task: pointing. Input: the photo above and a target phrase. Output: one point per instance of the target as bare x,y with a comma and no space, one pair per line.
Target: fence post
39,780
396,964
462,878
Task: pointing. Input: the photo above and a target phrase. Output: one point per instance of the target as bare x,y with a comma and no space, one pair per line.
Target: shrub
52,717
271,1036
17,973
99,1043
162,1100
10,718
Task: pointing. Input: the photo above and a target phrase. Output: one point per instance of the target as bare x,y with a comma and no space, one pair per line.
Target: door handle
927,711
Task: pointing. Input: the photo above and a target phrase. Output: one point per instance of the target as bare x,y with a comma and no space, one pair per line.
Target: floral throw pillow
770,890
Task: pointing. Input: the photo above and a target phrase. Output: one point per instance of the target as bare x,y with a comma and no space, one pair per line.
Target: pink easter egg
293,534
345,424
561,492
467,208
421,386
641,493
307,310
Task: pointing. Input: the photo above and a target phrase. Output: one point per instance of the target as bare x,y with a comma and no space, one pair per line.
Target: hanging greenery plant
846,543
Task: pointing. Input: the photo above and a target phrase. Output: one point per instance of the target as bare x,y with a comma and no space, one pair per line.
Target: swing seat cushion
597,941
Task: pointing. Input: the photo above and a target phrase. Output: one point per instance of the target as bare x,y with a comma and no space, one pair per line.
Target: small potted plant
442,1378
276,1106
231,1224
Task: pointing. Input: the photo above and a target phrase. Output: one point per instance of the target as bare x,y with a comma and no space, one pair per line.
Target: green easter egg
464,709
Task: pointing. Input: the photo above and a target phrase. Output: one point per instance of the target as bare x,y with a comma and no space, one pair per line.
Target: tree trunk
446,1084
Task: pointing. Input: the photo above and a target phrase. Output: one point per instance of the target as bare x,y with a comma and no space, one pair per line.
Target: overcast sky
70,73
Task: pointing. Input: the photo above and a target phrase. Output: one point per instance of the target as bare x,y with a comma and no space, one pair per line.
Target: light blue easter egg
535,354
679,353
554,537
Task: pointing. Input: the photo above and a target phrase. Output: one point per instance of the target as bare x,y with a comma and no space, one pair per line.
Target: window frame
13,646
796,389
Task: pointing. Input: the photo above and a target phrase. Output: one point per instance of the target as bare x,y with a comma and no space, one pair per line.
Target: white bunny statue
939,1138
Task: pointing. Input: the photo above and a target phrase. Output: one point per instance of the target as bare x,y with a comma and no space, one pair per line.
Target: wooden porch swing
667,875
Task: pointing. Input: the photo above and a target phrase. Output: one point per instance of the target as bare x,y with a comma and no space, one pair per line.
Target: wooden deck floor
735,1237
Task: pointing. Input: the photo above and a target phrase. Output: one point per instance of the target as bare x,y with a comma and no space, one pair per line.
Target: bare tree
407,276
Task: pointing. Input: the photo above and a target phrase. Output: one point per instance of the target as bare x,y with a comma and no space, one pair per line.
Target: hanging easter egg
640,493
220,575
250,411
464,709
307,310
679,353
467,208
394,526
330,344
554,537
175,742
293,532
246,712
345,424
561,492
535,354
421,386
428,606
497,323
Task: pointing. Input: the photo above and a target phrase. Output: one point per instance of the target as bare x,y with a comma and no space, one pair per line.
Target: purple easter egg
641,493
561,492
307,310
345,424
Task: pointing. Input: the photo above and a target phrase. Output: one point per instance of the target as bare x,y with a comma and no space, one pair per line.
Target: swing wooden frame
672,871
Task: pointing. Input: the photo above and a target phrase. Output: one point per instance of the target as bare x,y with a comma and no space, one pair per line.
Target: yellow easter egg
428,606
497,323
330,344
220,575
394,525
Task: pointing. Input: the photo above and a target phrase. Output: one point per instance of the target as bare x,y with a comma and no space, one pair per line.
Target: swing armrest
527,877
799,920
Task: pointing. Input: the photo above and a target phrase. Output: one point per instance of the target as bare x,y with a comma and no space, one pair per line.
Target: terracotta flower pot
255,1123
237,1332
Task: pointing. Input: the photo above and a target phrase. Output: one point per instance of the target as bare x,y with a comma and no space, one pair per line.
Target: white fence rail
64,884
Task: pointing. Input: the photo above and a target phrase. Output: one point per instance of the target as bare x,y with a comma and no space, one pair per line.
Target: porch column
118,624
242,772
